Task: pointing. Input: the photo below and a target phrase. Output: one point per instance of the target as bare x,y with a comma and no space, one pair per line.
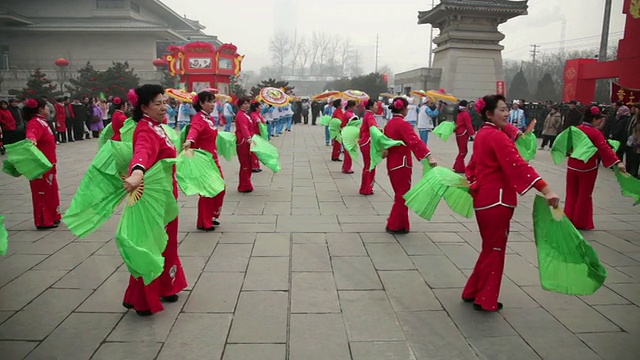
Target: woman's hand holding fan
132,182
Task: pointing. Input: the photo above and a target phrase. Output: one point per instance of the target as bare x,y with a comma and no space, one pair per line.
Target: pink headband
195,99
132,96
116,101
398,104
480,104
595,111
32,103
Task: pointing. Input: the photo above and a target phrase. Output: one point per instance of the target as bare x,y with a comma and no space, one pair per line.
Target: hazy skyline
404,45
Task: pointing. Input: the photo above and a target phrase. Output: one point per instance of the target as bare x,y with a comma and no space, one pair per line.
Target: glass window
110,4
135,7
4,57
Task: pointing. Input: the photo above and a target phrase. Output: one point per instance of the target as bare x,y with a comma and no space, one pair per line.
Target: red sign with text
626,95
501,87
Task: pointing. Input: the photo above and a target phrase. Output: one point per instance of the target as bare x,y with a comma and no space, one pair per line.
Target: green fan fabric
264,131
572,142
27,159
334,129
266,153
101,189
127,129
445,130
183,135
325,120
9,169
141,236
356,123
379,143
226,145
198,174
173,136
426,167
350,136
561,146
629,185
4,237
105,135
615,144
566,262
527,145
440,183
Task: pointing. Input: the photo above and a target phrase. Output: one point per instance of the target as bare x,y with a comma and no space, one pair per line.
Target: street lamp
62,65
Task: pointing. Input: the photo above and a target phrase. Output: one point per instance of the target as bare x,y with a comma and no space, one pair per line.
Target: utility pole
433,2
604,39
534,52
377,43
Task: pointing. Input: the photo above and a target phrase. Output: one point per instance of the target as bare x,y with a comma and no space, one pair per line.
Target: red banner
626,95
501,87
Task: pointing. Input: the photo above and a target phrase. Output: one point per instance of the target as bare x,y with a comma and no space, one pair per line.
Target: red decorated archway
580,75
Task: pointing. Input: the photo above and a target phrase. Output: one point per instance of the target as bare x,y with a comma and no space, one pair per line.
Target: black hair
398,110
491,104
254,106
588,117
203,96
619,103
350,104
4,102
146,94
368,104
119,105
29,112
243,100
65,98
464,103
336,103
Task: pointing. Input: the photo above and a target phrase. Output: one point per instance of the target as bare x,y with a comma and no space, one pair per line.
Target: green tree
169,81
255,90
87,83
372,84
39,85
117,80
546,89
237,89
519,88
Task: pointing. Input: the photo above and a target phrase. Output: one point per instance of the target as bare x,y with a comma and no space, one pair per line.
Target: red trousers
46,199
401,182
463,150
347,163
170,282
210,208
484,283
335,150
579,204
244,157
255,163
368,177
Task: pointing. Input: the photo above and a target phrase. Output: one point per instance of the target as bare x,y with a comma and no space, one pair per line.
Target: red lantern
385,78
159,62
62,62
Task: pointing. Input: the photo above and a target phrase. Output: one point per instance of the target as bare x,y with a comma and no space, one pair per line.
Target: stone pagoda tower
468,48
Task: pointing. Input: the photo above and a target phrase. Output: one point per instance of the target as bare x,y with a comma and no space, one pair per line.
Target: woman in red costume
256,118
399,163
150,145
581,176
244,132
337,114
44,191
464,130
118,118
346,117
368,120
497,174
202,135
61,120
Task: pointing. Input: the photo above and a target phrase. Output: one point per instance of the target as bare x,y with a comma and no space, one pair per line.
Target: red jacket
463,124
338,114
244,128
7,122
605,152
117,122
346,117
256,119
497,172
368,121
61,117
203,133
39,131
150,145
400,156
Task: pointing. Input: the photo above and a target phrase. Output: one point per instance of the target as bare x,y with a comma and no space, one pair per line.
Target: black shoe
127,306
170,299
246,191
477,307
57,222
337,160
213,228
256,170
468,300
47,227
397,232
348,172
2,150
144,313
216,223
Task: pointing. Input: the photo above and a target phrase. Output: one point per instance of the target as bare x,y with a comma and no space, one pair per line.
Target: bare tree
333,48
296,51
355,65
280,48
305,56
323,42
346,51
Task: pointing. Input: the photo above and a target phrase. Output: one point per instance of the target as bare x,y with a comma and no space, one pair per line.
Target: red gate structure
580,75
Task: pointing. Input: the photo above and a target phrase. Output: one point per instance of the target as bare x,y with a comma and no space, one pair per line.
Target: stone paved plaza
302,269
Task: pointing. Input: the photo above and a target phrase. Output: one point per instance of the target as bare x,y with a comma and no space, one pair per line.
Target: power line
533,52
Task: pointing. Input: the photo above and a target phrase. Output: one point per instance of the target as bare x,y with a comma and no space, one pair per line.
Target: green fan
379,143
105,135
27,159
440,182
226,144
426,167
4,237
615,144
198,174
127,130
173,136
561,146
141,236
527,145
356,123
183,135
445,130
574,143
8,168
567,263
334,129
629,185
264,132
266,153
350,136
325,120
101,189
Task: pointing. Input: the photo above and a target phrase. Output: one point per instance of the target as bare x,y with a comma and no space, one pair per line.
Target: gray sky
404,45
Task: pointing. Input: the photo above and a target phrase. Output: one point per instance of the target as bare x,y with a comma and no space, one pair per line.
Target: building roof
504,8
